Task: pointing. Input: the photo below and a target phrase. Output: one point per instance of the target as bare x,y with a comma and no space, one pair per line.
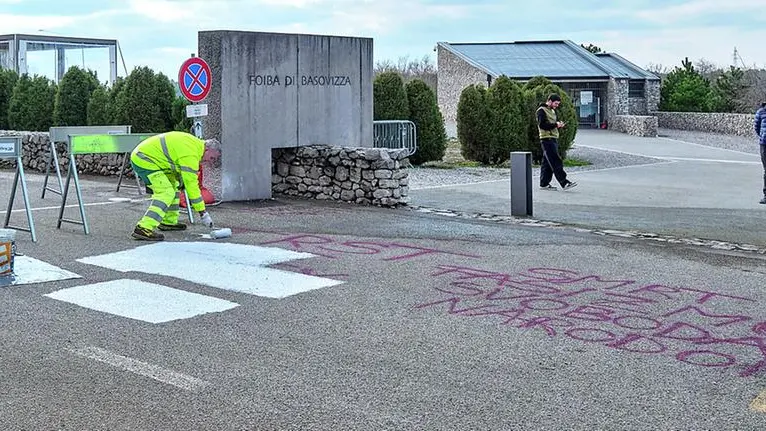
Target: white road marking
141,368
28,270
237,267
92,204
676,158
139,300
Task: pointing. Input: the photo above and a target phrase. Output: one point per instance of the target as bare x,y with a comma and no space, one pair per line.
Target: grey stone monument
274,90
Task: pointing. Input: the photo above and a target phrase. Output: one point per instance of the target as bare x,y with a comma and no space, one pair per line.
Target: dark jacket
760,124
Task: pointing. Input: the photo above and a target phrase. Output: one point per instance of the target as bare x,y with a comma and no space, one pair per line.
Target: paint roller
220,233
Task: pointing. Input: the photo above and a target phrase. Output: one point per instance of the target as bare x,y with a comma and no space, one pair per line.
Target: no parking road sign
194,79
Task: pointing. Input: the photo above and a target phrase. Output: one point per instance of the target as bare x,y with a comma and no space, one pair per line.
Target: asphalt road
393,320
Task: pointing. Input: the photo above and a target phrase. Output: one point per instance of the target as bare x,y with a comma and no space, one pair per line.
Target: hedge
145,100
429,123
491,123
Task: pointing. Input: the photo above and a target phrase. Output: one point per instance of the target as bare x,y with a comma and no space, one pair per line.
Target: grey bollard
521,183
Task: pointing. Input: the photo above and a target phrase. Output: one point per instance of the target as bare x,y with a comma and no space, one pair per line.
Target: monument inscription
274,80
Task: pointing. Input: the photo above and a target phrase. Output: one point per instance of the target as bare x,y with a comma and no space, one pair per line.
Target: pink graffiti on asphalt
696,326
328,247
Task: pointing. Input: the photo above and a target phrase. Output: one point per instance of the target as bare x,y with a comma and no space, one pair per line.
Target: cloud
690,10
669,46
162,33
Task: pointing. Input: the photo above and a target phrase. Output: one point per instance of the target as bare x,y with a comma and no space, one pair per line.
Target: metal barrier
97,144
395,134
10,148
60,135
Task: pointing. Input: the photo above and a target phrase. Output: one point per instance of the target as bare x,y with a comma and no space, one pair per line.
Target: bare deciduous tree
707,69
658,69
422,68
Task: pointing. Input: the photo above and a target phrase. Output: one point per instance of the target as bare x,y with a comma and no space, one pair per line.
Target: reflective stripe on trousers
164,206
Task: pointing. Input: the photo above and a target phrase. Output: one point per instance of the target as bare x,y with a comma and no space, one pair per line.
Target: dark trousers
552,164
763,161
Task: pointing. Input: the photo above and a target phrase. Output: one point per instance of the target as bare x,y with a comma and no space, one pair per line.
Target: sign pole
195,81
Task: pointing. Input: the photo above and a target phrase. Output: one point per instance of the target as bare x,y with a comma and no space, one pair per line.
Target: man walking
548,126
760,130
167,163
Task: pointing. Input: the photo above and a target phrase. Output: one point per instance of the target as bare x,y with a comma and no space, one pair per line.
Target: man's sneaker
176,226
144,234
762,201
548,187
570,185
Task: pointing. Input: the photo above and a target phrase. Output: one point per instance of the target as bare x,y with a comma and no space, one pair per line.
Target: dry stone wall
374,176
637,125
35,148
729,124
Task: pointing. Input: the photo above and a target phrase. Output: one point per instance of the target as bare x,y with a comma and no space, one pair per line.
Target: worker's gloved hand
206,219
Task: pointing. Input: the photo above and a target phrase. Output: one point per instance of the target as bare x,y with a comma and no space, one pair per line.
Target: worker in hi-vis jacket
168,163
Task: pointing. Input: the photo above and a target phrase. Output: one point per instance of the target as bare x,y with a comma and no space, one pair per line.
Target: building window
636,89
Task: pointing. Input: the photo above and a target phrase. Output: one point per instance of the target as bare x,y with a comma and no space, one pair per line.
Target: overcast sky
162,33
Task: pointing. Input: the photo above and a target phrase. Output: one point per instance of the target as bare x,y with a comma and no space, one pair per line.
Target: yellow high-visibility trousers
165,199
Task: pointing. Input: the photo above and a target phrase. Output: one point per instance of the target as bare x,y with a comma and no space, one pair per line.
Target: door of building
588,107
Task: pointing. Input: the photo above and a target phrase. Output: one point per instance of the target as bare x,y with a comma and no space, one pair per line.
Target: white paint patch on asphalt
28,270
236,267
141,368
139,300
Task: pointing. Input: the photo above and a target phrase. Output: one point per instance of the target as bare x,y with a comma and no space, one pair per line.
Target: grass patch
572,162
569,163
451,165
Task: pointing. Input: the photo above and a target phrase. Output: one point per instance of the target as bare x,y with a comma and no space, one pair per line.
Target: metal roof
630,69
554,59
57,39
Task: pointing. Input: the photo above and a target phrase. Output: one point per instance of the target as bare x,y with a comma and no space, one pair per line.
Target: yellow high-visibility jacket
178,155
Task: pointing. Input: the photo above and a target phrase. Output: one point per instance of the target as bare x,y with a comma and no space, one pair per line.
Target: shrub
99,112
180,121
8,80
686,90
71,103
117,103
144,102
31,104
424,112
566,112
507,124
473,117
389,97
537,81
164,95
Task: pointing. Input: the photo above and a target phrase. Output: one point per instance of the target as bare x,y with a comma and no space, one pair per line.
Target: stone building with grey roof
602,86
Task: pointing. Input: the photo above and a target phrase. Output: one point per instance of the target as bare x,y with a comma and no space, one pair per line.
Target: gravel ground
431,177
729,142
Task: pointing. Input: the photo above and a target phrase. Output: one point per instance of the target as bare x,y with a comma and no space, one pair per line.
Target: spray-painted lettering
685,323
387,251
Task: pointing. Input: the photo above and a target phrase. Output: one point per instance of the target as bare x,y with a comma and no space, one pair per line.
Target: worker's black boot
144,234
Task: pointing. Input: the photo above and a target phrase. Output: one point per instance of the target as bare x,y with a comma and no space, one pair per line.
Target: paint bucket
7,252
